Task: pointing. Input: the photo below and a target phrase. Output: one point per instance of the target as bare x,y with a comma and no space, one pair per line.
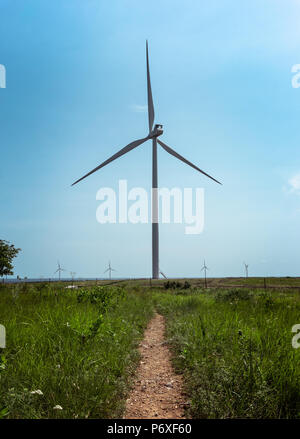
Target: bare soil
158,391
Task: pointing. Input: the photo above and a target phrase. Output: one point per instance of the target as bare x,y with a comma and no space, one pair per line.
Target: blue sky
221,80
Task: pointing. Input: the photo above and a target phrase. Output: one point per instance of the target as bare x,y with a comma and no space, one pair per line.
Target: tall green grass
76,349
234,349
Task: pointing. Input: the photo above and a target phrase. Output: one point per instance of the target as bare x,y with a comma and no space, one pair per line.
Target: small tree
7,253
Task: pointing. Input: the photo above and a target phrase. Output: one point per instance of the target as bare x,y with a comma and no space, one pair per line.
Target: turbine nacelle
157,131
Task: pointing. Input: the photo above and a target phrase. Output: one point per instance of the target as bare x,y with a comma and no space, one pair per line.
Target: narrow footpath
158,391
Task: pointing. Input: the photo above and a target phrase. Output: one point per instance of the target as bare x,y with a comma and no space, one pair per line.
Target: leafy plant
7,253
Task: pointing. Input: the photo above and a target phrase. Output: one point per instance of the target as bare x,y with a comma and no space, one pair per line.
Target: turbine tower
59,270
110,270
204,268
153,135
246,268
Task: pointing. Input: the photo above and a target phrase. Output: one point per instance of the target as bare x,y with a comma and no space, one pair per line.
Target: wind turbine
153,135
246,268
109,269
163,275
59,270
72,273
204,268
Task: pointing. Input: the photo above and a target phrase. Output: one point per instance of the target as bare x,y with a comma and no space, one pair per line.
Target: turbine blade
106,271
149,93
122,151
178,156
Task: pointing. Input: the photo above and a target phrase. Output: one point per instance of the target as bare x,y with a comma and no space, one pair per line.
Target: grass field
76,350
234,349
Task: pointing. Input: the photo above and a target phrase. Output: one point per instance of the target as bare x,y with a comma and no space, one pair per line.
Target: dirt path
157,392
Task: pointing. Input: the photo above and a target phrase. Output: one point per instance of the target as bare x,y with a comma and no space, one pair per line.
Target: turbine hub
157,131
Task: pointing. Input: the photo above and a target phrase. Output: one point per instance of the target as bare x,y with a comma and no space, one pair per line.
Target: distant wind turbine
153,135
59,270
72,273
163,274
246,268
109,269
204,268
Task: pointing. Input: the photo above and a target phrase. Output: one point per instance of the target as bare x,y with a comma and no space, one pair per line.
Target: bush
102,296
233,295
176,285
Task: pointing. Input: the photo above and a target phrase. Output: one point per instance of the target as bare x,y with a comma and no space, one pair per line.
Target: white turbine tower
246,269
204,268
110,270
153,135
59,270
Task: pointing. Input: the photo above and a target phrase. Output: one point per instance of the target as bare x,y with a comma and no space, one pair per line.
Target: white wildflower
36,392
57,407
